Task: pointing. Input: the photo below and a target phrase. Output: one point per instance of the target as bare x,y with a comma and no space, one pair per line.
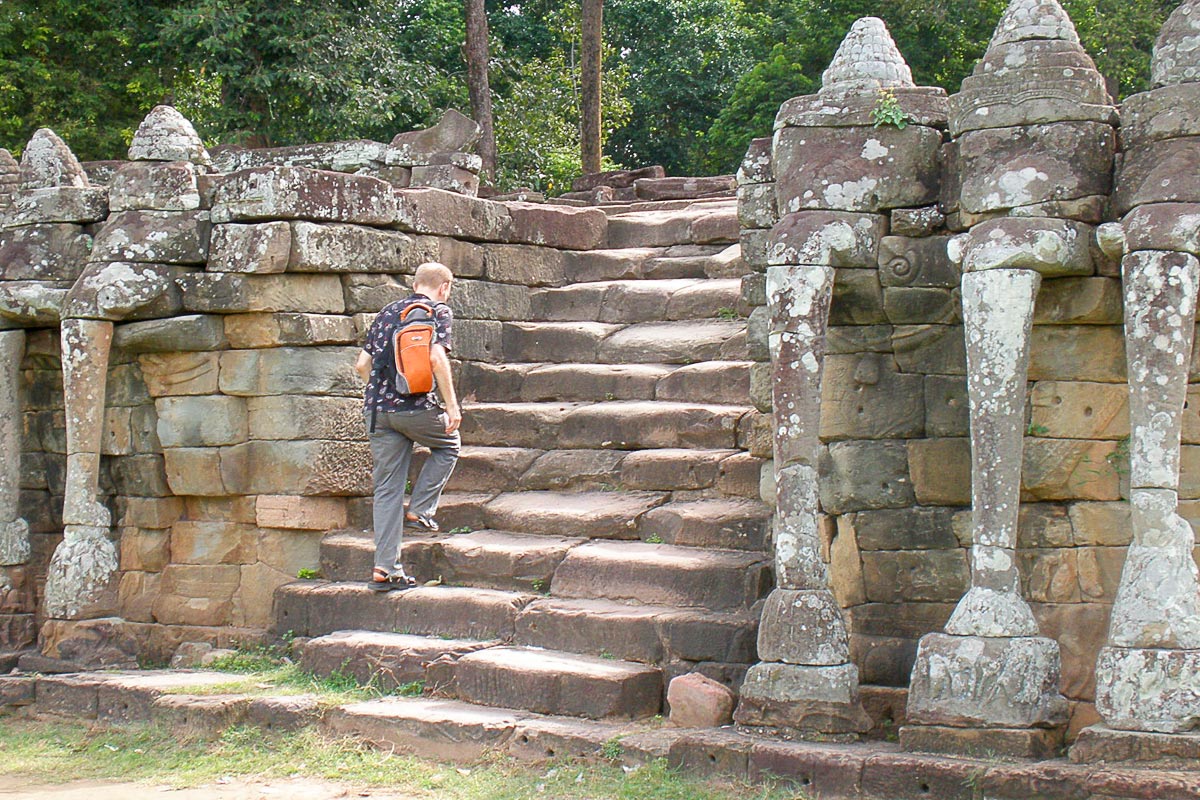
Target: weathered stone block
180,334
289,551
857,298
145,550
148,512
205,471
856,169
291,370
865,397
139,475
297,193
917,262
443,213
261,248
826,238
1158,173
228,292
353,248
1053,247
1079,410
1079,301
941,471
1102,524
173,374
212,543
557,226
169,186
946,407
1003,168
1077,353
1148,689
863,475
249,331
806,698
756,164
306,417
300,513
308,468
78,204
970,681
756,205
930,349
193,594
1069,469
803,627
445,176
370,293
201,421
487,300
922,305
44,252
905,529
917,222
524,265
939,576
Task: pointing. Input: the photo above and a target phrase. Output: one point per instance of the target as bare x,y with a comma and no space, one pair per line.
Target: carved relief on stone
14,532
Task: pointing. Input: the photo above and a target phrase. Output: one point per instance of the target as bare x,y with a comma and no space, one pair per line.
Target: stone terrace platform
193,703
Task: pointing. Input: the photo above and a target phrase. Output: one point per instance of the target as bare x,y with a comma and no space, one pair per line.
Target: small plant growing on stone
306,574
606,654
887,111
1118,459
1036,430
414,689
654,538
727,313
612,749
461,529
539,586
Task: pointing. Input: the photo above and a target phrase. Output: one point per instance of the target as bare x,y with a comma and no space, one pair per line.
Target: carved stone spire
1029,20
166,135
1177,50
867,59
1034,72
47,163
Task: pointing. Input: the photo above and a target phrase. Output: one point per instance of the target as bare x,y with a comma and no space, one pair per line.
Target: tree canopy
686,83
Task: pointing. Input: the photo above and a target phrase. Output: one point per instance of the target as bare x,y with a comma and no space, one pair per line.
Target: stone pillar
84,566
14,532
1034,144
806,683
1148,673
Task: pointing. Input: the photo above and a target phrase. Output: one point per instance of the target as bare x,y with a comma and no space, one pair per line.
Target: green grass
265,671
55,752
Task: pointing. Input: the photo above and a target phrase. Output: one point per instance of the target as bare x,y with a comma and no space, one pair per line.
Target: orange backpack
411,345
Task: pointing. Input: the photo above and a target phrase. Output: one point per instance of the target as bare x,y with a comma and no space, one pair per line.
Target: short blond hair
431,275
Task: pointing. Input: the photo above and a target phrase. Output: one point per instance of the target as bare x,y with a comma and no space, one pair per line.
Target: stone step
662,574
485,559
631,263
317,608
626,301
704,223
723,382
604,515
564,684
617,425
445,730
505,469
650,634
678,342
380,659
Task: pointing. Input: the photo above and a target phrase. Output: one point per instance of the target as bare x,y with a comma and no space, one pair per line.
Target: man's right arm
445,386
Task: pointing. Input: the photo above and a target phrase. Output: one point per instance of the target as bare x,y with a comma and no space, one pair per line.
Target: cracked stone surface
166,135
47,162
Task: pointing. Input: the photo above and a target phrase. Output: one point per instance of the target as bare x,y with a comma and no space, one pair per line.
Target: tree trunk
591,34
477,84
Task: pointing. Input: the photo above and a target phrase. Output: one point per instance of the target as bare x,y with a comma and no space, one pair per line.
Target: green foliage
305,574
90,71
887,111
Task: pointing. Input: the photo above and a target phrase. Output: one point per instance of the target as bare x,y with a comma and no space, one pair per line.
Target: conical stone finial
1177,50
1027,20
47,162
166,135
867,59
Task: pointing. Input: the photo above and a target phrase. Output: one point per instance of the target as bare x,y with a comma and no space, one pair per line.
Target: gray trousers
391,449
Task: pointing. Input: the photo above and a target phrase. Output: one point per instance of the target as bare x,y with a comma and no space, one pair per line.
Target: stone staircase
602,532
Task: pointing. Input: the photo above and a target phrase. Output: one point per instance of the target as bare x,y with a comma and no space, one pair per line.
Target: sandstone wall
896,474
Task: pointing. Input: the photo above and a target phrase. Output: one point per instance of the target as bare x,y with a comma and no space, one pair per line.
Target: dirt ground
295,789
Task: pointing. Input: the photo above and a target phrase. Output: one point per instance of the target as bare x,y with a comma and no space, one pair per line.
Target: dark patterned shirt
381,391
